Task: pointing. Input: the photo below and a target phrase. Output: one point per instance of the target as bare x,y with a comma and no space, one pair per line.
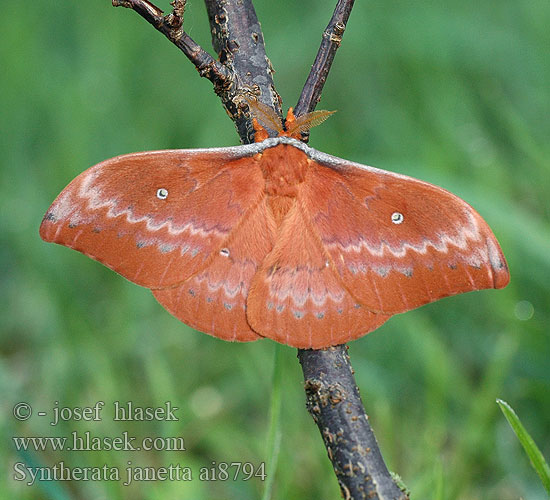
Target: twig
332,37
243,67
333,398
171,27
334,402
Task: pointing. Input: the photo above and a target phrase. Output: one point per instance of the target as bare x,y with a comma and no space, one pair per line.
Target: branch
334,402
237,38
172,27
333,398
243,67
332,37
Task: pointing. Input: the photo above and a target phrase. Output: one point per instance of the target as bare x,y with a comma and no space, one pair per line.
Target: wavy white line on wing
464,235
95,201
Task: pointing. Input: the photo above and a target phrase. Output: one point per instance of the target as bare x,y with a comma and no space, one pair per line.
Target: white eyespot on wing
224,252
162,193
397,218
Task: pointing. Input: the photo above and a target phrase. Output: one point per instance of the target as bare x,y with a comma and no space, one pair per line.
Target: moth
276,239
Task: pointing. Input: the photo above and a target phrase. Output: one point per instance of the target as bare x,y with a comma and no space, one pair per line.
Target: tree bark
238,39
334,402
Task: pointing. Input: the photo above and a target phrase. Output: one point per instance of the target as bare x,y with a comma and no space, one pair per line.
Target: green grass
531,449
455,93
275,433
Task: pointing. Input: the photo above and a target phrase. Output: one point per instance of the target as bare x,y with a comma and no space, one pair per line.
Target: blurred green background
455,93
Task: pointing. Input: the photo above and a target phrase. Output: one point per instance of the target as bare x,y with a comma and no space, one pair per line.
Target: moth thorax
284,168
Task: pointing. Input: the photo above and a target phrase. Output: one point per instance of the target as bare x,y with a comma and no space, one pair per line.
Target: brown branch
242,68
335,405
238,40
171,26
332,37
333,398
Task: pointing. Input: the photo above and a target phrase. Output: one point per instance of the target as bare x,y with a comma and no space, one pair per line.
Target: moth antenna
304,123
264,114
